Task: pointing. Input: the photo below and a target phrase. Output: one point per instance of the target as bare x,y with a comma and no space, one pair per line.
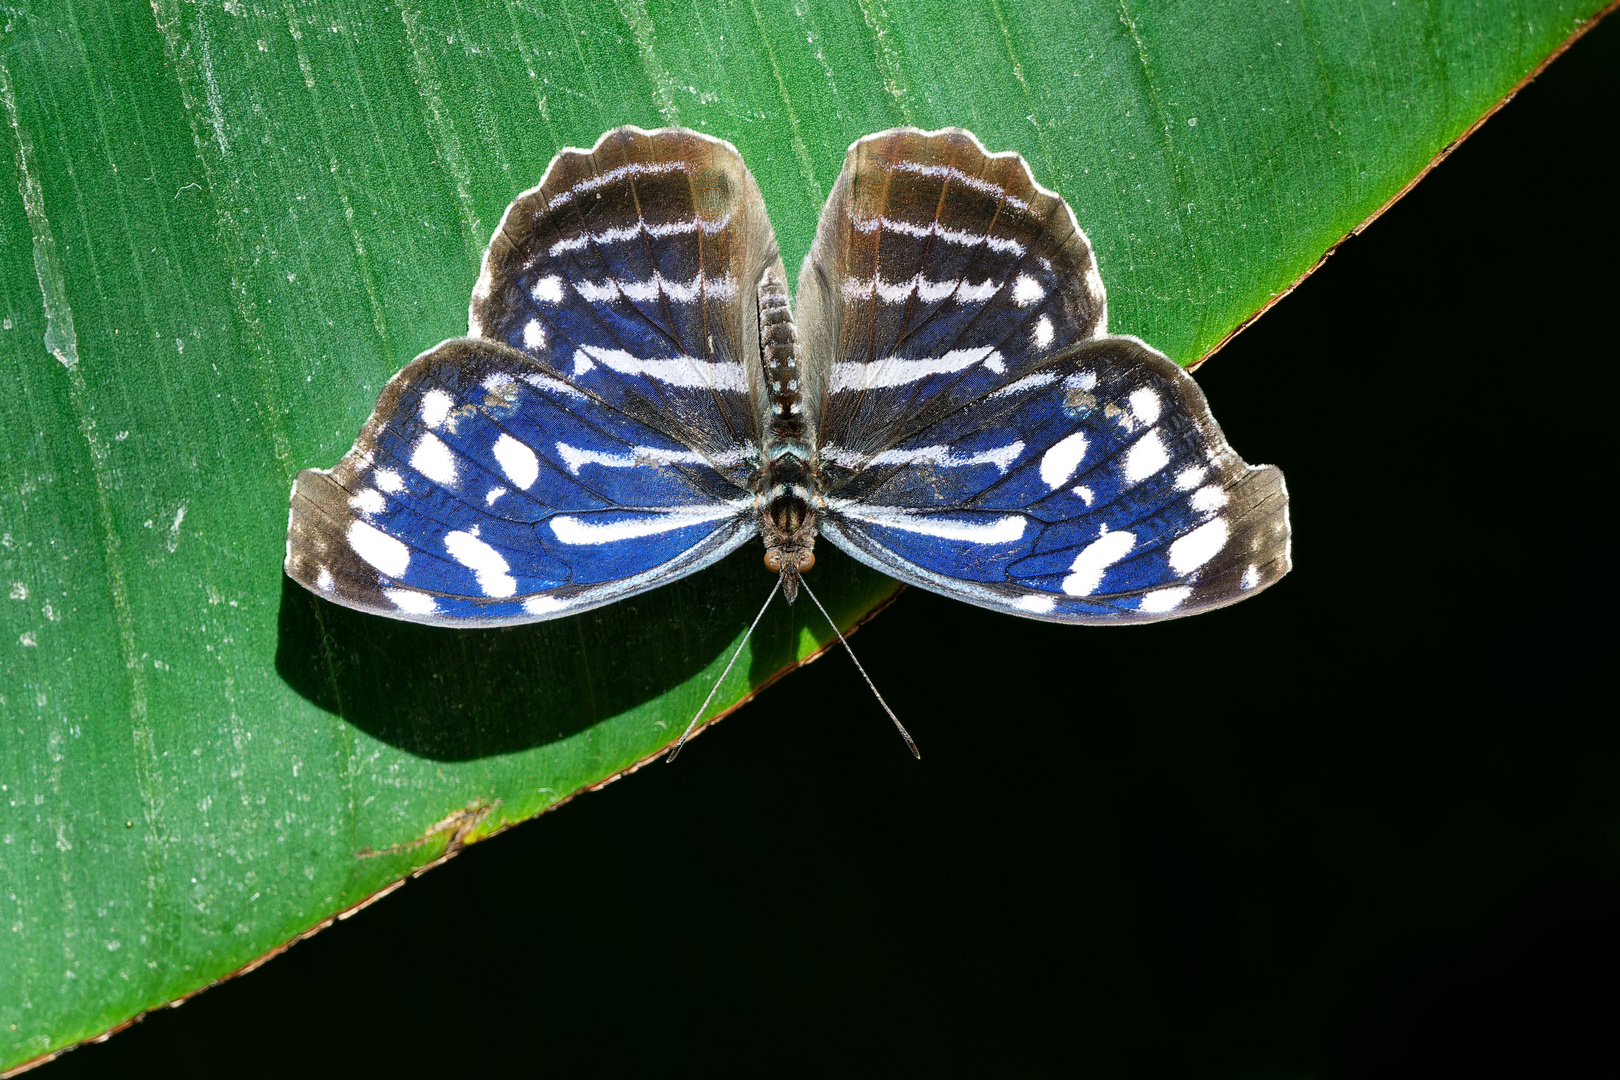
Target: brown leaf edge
463,824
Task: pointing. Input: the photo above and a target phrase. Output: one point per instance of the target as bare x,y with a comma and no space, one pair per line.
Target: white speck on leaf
174,529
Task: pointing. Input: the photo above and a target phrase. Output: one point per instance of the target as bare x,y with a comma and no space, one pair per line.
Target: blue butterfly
636,397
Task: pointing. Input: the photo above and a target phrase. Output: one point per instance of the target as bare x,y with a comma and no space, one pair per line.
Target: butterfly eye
773,561
807,559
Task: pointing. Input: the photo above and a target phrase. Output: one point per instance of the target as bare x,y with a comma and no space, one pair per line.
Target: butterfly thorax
789,521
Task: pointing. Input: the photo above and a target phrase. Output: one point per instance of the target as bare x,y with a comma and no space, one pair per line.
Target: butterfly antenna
904,734
716,689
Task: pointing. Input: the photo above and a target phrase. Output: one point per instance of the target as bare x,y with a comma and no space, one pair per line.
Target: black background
1367,825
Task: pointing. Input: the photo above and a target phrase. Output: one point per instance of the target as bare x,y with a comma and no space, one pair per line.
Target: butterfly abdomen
789,521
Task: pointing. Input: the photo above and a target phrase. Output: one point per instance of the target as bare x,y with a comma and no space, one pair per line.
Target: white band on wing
945,233
631,232
577,530
1002,530
893,371
673,370
945,457
576,458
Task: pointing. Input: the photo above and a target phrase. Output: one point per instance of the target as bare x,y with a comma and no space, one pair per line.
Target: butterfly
638,396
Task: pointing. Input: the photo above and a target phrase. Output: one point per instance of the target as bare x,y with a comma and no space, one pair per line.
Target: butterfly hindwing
939,273
632,269
486,490
1096,488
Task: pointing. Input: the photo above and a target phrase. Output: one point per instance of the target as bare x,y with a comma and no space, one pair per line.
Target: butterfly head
789,531
790,563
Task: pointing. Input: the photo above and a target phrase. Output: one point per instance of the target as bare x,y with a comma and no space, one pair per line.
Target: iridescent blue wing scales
485,490
982,436
1096,488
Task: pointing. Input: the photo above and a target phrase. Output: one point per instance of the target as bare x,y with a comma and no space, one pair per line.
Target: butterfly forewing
632,269
1095,489
938,274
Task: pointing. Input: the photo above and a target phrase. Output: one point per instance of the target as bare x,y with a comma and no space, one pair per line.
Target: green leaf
222,228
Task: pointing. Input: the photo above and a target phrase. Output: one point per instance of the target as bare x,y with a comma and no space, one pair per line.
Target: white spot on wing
1198,547
548,290
1085,493
978,294
433,459
324,579
1146,456
388,480
1187,479
1251,576
417,603
543,605
1208,499
517,461
379,549
534,335
1034,602
555,386
487,565
1027,291
1043,333
493,494
1027,383
436,406
1145,405
368,501
1059,463
1162,600
1086,572
593,293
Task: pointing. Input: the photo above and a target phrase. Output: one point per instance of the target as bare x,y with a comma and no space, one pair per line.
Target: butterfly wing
1095,488
980,435
600,435
939,273
632,269
487,490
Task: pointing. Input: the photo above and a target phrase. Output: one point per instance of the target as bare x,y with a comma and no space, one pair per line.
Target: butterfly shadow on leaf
455,695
